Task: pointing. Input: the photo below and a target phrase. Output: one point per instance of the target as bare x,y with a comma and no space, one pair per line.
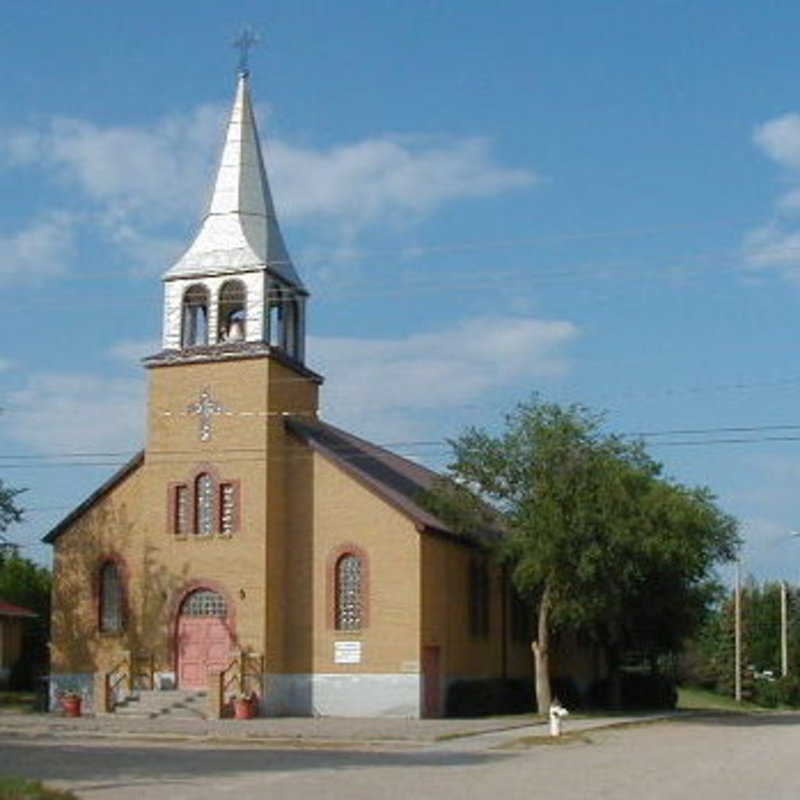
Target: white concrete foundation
338,695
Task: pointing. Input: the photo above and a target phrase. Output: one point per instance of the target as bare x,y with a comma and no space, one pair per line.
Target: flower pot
243,708
71,706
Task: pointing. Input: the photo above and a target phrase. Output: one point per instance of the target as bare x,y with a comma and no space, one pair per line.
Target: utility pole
737,656
784,633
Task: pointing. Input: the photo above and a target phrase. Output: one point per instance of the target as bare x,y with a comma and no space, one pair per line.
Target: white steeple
238,252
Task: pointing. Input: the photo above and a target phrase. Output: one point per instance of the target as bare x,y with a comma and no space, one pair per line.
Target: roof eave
94,497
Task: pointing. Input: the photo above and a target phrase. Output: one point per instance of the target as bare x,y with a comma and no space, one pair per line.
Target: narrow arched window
194,326
110,598
204,504
232,312
349,601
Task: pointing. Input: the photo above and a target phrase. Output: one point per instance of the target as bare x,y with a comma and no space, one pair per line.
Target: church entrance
204,638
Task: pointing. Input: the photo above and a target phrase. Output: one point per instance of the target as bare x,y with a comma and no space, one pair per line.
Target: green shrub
481,697
22,789
638,690
781,692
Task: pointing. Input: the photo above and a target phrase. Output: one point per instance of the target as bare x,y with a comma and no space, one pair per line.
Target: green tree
9,511
596,538
26,584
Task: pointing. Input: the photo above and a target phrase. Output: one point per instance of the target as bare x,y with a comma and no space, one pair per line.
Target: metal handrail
124,670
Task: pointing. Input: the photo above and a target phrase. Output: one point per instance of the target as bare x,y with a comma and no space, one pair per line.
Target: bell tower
236,287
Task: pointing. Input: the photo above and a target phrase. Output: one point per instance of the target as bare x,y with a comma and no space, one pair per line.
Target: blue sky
599,201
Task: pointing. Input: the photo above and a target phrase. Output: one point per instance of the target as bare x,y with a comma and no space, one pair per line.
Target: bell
235,331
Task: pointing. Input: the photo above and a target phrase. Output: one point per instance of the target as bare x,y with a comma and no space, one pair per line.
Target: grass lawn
22,789
16,703
692,698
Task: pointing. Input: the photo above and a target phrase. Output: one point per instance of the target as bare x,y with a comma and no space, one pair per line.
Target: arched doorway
204,638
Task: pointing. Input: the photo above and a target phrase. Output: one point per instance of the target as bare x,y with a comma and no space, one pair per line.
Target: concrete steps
172,703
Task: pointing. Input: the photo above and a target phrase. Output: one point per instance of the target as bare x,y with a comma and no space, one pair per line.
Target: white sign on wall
347,652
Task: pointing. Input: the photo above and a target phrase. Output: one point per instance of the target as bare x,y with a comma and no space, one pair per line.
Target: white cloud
150,170
779,138
147,184
5,363
41,250
60,413
386,179
775,246
380,386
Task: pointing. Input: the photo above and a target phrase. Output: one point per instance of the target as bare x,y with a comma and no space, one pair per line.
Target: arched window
349,601
232,312
204,504
204,603
110,598
194,327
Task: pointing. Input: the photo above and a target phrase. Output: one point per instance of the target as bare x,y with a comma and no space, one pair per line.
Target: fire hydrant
557,711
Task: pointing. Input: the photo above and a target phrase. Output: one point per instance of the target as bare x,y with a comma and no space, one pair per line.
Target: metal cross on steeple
205,408
246,40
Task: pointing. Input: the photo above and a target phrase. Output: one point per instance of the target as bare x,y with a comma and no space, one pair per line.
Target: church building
251,538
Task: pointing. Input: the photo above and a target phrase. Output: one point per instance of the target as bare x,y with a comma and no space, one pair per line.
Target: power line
164,456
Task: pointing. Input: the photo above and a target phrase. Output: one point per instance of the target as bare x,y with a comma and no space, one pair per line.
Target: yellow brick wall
445,620
331,509
131,521
297,510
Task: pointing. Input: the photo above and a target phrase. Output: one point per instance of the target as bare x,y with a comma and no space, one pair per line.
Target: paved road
731,757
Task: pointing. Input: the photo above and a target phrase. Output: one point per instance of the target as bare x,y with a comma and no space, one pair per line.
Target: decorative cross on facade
245,41
205,408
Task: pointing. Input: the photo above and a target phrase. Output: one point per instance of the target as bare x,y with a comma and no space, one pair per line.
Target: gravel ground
720,757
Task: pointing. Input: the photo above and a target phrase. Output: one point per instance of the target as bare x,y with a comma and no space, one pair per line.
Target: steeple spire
236,283
240,230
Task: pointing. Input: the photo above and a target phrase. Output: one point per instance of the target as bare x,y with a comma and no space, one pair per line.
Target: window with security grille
227,507
349,574
110,598
204,603
204,504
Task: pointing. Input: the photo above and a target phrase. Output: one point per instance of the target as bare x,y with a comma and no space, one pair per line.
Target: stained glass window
204,603
110,598
181,509
348,593
204,504
227,507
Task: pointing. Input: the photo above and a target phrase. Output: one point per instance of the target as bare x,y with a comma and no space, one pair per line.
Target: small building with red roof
12,621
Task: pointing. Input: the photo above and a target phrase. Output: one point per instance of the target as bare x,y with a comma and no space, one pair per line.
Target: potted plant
71,702
244,705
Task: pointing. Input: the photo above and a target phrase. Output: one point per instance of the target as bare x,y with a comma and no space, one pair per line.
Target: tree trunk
541,655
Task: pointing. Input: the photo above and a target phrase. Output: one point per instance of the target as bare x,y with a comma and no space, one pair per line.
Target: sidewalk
302,731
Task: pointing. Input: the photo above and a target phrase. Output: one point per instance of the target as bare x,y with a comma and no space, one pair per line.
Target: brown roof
395,479
10,610
96,495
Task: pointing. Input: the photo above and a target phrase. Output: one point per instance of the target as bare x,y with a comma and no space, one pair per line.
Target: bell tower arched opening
232,312
194,320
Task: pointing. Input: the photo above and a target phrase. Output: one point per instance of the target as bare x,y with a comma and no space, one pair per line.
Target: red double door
204,643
